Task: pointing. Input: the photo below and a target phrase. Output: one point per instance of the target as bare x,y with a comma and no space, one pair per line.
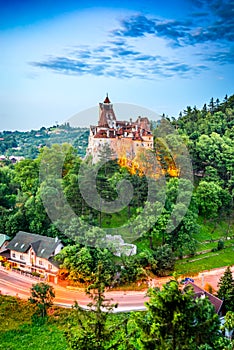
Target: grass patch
206,261
31,337
18,333
210,231
204,246
115,219
13,312
120,221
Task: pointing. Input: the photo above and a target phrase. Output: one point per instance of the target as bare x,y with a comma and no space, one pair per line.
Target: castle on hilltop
124,138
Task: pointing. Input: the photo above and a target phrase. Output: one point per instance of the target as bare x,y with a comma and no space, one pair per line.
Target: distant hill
28,143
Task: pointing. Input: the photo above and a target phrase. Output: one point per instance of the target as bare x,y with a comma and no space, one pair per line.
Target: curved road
12,283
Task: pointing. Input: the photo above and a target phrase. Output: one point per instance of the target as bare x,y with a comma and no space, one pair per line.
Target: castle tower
107,118
124,138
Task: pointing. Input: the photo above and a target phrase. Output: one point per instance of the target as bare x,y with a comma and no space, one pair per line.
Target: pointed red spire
107,99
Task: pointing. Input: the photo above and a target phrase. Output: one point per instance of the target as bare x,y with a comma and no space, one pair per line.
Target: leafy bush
220,244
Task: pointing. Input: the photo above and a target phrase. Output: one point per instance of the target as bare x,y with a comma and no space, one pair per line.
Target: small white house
119,247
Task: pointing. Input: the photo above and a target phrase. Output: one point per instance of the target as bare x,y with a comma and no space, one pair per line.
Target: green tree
165,260
85,234
27,175
56,161
229,323
82,263
210,198
147,227
16,221
226,289
109,159
216,151
8,188
181,235
42,295
92,328
175,320
131,270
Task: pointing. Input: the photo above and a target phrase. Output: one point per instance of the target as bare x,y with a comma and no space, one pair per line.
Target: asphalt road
12,283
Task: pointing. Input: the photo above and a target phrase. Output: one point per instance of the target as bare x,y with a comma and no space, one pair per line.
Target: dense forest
205,223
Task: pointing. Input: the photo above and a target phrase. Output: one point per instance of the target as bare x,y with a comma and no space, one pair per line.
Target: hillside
204,234
28,143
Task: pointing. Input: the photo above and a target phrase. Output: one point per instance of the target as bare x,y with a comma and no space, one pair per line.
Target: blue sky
61,57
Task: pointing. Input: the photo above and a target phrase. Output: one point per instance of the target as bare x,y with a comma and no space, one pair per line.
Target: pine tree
92,329
226,289
176,320
109,159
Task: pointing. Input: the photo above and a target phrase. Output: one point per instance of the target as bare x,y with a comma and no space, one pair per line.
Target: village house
201,293
124,138
33,253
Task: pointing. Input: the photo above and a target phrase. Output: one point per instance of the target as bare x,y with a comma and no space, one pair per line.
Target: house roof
199,292
43,246
3,239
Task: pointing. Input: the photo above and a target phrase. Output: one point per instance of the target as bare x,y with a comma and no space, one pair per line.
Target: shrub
220,244
36,274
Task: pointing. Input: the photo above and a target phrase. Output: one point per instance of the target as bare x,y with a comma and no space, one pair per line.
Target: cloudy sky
61,57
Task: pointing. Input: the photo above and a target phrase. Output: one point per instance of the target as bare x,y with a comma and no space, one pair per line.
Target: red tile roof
200,292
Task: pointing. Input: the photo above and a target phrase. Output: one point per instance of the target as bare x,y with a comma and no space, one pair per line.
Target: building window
13,255
40,262
21,257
